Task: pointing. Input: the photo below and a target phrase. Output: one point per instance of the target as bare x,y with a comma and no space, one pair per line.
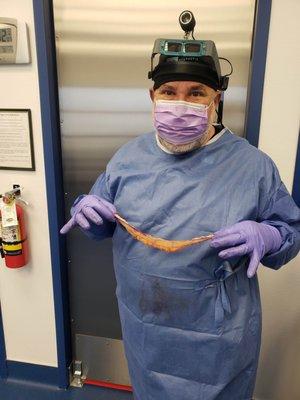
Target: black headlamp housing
182,59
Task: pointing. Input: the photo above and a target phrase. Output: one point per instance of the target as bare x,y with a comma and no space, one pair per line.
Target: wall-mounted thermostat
14,44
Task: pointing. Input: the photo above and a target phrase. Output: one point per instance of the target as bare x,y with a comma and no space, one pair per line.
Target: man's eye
168,92
197,93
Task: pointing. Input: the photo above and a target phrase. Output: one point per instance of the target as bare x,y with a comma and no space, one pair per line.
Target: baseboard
32,372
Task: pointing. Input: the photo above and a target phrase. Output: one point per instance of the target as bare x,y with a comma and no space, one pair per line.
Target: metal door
103,53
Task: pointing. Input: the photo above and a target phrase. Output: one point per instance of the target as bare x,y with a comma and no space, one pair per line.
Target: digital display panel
6,49
5,35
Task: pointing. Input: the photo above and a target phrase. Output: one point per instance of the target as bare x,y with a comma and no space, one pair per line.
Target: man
191,321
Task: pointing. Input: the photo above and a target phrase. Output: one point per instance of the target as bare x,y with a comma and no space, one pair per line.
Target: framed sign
16,141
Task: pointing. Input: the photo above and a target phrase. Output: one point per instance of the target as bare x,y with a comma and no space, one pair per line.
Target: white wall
26,294
279,371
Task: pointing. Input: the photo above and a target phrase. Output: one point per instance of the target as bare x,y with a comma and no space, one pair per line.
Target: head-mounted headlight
188,58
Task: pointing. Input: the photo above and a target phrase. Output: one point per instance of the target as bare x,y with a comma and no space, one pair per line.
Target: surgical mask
180,122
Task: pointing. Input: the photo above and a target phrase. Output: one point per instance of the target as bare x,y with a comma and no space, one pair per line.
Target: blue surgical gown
191,322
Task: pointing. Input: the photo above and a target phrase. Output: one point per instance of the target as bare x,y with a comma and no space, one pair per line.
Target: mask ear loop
221,102
219,111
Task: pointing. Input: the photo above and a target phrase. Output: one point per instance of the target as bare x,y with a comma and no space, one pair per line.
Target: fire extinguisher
14,243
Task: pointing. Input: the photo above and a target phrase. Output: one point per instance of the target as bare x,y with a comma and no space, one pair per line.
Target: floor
17,390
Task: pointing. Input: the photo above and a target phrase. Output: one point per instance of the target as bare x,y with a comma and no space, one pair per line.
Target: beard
185,148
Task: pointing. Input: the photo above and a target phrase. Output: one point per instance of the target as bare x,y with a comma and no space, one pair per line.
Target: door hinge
77,377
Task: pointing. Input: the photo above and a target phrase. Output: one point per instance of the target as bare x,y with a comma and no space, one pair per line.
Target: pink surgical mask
180,122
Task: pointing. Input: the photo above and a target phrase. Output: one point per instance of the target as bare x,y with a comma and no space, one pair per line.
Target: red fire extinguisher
14,243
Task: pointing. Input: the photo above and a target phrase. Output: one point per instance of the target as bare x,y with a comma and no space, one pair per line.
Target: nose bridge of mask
188,105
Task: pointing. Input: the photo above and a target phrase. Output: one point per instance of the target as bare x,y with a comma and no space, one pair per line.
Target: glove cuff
273,238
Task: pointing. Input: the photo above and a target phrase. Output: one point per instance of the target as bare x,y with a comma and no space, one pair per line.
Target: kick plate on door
103,359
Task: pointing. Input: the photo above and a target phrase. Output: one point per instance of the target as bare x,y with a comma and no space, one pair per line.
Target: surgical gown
191,322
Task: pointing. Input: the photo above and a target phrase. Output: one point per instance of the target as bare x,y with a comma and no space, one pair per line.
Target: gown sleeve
101,189
277,208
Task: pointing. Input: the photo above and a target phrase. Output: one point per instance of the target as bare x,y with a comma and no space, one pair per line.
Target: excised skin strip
169,246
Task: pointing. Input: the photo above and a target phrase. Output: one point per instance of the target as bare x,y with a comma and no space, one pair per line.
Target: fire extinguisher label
11,241
9,215
11,234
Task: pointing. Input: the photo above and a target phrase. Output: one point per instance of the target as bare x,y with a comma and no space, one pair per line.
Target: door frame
296,184
48,86
256,77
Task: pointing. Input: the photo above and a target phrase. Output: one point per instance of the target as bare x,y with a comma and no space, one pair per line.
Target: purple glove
247,237
90,208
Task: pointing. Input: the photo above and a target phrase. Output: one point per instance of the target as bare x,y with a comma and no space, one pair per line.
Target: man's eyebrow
194,87
200,86
167,87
